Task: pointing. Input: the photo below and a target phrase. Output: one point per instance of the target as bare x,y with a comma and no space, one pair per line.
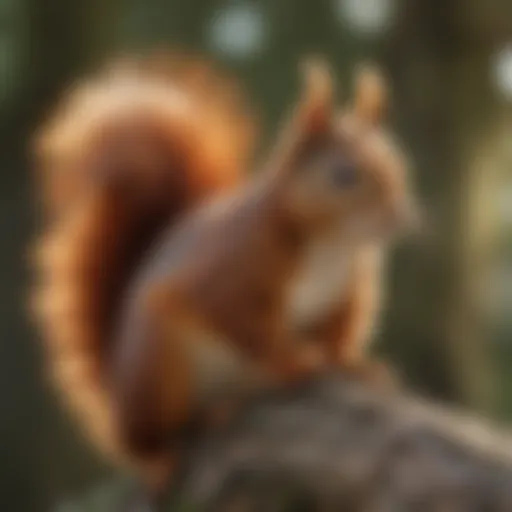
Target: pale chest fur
322,280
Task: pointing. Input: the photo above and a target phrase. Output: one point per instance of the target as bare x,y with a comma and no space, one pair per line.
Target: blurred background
448,322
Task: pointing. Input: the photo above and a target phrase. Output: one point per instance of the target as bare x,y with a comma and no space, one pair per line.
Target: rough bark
336,444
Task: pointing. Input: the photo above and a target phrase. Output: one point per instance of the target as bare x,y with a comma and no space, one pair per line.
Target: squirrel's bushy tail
125,153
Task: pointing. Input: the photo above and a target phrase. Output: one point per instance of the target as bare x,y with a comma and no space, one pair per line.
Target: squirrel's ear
310,118
371,95
315,108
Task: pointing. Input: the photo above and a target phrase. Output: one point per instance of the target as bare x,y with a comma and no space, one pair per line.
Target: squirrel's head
340,166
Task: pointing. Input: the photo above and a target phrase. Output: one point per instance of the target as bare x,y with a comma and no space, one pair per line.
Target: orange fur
125,154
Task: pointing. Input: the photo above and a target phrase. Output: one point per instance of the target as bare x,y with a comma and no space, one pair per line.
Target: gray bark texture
336,444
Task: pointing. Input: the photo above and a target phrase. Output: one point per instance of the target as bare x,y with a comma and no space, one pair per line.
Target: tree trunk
55,39
440,56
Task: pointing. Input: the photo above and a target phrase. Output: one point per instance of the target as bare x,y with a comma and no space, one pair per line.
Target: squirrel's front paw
311,358
299,363
377,373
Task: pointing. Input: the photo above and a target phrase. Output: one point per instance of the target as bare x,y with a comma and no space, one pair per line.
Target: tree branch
336,444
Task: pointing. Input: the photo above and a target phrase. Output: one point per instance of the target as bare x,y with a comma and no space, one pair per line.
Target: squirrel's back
124,155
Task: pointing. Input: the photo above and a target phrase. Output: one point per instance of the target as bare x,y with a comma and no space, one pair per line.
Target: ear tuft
317,78
317,102
371,94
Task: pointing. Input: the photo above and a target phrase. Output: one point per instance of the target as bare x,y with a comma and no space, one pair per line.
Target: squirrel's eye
344,174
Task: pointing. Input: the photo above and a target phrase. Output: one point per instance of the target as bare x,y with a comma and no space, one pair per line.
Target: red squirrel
171,278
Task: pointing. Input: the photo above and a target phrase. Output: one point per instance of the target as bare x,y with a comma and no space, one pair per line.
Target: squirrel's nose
415,224
409,218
